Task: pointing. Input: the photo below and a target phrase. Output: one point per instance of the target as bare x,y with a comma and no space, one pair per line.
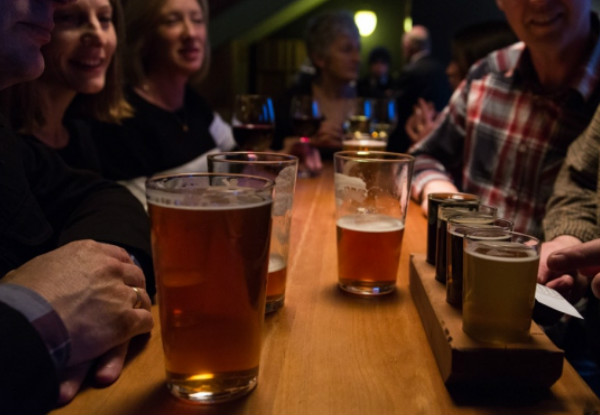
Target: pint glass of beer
371,195
282,169
210,245
499,285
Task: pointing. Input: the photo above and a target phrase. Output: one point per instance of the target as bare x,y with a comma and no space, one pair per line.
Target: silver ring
138,298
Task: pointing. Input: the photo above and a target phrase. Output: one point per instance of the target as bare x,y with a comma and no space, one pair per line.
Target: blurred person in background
67,306
173,128
378,83
468,46
422,77
333,45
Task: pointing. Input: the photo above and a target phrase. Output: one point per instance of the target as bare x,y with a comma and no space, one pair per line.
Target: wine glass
253,122
306,118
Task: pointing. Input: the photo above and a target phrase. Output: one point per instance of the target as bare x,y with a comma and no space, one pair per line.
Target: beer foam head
504,251
370,223
365,141
208,191
276,262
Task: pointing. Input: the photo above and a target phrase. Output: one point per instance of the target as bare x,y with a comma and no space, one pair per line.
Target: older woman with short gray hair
333,46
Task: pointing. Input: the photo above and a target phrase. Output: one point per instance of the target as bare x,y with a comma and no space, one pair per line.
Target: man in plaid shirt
507,128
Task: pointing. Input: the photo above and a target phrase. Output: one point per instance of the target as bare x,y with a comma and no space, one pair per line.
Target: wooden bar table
326,352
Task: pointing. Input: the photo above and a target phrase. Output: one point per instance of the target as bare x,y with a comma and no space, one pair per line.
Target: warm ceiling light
366,20
408,24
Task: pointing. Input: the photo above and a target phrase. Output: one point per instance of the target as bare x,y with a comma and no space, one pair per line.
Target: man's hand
330,135
435,186
582,259
90,286
421,121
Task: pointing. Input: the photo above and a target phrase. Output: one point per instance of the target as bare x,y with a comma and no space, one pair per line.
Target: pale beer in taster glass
458,227
499,286
210,245
371,192
282,169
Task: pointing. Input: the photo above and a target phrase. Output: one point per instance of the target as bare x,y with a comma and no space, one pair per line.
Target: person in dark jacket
424,77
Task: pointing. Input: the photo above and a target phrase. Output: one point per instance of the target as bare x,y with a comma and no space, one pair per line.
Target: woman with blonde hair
173,127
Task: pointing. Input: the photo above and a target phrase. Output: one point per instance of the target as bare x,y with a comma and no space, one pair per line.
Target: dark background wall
445,17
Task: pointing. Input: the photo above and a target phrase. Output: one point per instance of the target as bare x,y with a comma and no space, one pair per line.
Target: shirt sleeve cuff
43,318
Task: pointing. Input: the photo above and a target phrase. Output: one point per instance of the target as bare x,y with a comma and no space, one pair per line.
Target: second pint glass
210,245
371,196
282,169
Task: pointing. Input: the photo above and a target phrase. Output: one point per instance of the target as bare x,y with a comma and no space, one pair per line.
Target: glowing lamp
366,20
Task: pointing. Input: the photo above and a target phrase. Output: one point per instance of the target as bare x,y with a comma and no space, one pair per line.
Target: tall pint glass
371,195
210,244
282,169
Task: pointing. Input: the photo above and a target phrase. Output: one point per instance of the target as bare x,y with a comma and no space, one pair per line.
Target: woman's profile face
82,46
180,38
342,60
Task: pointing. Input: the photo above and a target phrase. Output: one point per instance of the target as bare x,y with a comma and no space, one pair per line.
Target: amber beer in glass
371,192
499,286
210,244
282,169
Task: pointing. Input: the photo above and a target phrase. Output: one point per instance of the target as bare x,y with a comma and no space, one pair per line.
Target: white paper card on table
552,298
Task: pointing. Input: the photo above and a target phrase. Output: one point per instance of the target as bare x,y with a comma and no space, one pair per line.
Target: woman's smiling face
83,43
